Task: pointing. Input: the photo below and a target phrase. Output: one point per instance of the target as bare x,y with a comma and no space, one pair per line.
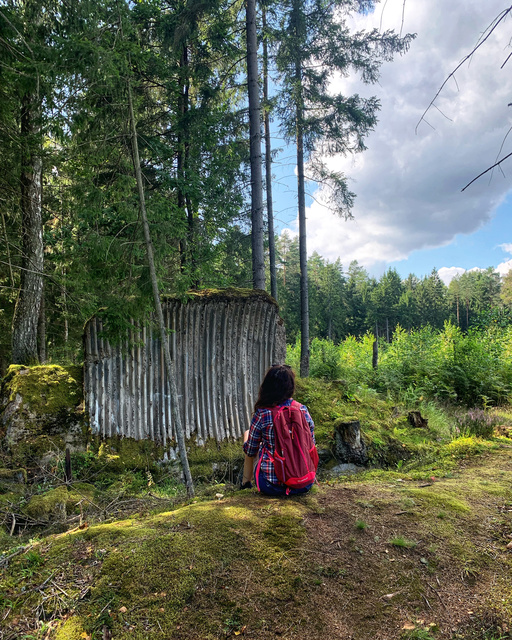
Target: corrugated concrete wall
221,345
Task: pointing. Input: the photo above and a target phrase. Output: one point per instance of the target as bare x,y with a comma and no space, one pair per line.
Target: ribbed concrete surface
221,345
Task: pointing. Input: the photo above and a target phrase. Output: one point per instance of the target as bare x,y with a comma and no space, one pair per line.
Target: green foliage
420,633
403,543
472,369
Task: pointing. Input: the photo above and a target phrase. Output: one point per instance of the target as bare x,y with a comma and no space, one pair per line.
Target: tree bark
375,354
268,166
6,239
301,193
41,331
169,365
28,304
181,155
258,263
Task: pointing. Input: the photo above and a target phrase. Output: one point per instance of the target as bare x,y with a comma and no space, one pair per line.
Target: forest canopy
72,242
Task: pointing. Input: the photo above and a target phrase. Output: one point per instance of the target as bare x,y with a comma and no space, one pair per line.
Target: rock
345,469
349,447
503,430
324,455
18,476
416,420
57,503
41,411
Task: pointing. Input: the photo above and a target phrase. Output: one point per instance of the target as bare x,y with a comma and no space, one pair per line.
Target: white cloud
408,184
504,267
507,247
447,274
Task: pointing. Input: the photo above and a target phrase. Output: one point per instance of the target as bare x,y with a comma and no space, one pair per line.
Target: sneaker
246,485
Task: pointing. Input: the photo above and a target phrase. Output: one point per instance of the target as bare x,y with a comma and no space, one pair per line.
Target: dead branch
496,164
4,560
488,31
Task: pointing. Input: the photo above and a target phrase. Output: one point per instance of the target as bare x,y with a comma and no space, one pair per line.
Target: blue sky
410,213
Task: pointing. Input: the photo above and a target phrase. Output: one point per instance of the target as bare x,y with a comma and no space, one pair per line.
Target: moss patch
71,629
228,294
216,461
13,475
45,389
58,502
264,568
40,411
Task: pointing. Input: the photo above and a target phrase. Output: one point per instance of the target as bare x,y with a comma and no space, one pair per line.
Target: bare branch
481,41
403,17
496,164
508,58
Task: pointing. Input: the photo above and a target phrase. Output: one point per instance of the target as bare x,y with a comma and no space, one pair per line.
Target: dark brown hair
278,385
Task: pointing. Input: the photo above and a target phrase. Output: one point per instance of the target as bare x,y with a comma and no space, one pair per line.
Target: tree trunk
375,354
182,109
258,263
303,255
41,331
301,193
169,365
26,313
6,240
268,166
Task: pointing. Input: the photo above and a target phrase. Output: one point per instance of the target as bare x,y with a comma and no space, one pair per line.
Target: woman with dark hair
276,391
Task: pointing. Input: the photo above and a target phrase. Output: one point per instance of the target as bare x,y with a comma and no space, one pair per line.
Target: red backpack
295,457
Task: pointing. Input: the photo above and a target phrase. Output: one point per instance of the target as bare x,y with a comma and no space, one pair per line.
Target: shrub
324,360
475,422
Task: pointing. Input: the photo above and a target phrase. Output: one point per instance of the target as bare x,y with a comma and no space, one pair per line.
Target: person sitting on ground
276,391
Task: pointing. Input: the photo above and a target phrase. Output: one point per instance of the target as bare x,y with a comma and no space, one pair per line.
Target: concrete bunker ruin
221,343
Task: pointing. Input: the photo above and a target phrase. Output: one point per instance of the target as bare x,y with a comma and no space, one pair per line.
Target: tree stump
348,445
416,420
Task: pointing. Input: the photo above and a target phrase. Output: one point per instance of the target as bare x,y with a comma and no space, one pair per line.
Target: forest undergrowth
418,546
412,553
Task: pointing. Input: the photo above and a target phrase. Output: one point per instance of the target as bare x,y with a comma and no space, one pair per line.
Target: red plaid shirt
261,439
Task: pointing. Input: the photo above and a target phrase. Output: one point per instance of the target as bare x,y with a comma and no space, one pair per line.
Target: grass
403,543
259,568
436,518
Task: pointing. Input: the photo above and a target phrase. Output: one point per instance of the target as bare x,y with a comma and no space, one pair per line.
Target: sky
410,212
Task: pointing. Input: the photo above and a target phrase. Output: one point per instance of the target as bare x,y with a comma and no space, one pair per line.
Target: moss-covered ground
382,556
413,548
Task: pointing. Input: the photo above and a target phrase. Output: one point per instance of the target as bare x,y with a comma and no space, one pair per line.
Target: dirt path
417,558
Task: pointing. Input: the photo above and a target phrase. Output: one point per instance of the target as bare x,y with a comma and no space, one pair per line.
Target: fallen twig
437,594
5,559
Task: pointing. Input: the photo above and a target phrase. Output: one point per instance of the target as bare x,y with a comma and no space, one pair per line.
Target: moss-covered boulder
58,503
8,476
41,411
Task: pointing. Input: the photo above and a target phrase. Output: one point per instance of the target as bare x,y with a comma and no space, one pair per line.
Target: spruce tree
312,43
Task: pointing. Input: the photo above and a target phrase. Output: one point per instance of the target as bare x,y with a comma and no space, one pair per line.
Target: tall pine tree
312,44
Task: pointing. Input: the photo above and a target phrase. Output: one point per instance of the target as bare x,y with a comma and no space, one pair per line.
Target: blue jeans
269,489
